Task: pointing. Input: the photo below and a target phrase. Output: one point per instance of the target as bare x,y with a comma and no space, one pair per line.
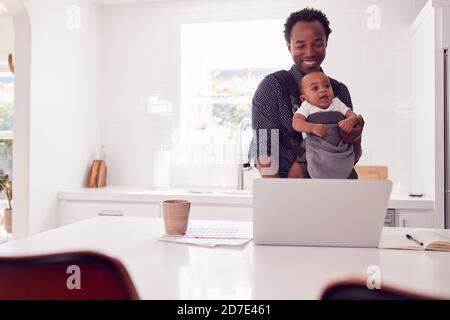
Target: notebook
415,240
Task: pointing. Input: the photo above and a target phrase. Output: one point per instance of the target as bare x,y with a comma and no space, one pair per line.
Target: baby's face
316,89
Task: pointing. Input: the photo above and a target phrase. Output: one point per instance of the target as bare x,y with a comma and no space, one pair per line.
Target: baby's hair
301,80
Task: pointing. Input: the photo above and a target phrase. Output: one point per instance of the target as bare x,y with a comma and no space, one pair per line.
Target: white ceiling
128,1
3,10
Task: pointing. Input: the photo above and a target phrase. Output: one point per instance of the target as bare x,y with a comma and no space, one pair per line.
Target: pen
410,237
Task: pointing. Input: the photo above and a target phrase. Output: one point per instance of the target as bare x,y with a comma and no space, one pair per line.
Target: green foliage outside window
6,116
6,150
229,115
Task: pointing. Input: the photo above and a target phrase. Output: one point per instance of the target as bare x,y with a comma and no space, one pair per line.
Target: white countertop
130,194
162,270
213,196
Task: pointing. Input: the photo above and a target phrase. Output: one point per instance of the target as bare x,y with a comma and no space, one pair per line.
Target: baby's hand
346,125
319,130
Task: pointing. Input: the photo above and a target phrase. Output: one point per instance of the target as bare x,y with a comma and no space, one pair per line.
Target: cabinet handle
110,213
404,223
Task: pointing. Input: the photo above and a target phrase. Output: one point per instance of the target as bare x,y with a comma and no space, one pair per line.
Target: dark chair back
357,289
65,276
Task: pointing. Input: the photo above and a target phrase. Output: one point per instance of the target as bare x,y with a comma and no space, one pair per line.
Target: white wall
6,36
64,116
375,64
417,6
140,58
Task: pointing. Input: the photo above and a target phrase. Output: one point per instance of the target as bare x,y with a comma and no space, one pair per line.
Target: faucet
242,165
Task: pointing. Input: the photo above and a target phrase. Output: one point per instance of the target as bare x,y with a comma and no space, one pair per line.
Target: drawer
73,211
211,212
390,220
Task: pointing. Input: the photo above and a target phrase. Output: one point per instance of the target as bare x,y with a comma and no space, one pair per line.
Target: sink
200,191
236,192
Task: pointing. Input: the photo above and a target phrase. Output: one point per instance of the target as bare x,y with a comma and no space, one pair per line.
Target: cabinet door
73,211
390,220
221,212
415,218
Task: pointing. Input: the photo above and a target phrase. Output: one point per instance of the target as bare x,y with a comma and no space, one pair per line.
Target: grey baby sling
328,157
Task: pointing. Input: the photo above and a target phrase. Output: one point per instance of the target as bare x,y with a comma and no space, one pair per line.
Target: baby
330,157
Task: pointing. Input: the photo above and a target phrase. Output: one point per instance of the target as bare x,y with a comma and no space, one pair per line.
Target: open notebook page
431,241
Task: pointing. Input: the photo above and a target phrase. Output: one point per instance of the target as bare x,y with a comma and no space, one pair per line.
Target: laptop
319,212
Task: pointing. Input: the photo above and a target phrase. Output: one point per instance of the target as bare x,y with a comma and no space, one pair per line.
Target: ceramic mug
176,216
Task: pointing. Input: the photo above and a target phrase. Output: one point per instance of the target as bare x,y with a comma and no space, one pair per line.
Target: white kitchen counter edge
124,194
117,194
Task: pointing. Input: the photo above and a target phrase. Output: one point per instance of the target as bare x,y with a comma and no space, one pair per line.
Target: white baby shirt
307,109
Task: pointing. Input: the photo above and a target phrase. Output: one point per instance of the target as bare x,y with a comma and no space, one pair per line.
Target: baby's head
315,88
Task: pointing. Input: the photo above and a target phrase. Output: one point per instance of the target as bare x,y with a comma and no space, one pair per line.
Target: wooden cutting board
97,175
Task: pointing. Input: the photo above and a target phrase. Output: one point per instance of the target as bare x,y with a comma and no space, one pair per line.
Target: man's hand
319,130
355,133
263,164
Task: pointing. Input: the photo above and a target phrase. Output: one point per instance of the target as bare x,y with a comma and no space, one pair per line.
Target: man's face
308,45
316,89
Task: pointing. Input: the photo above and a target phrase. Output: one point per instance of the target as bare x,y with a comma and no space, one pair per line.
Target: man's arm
264,110
355,135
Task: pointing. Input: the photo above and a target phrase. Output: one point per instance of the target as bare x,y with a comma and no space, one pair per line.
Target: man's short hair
306,15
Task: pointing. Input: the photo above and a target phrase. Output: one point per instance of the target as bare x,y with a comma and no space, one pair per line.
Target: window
222,64
6,119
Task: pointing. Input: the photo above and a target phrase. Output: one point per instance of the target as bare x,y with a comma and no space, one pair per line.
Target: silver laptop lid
319,212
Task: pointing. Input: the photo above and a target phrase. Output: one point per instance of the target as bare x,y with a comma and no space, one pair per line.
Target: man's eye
300,46
315,88
327,86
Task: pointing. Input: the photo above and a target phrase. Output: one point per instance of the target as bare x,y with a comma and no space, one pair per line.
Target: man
306,33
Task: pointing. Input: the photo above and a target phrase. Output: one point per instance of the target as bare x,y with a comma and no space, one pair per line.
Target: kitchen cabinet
76,205
415,218
221,212
74,211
